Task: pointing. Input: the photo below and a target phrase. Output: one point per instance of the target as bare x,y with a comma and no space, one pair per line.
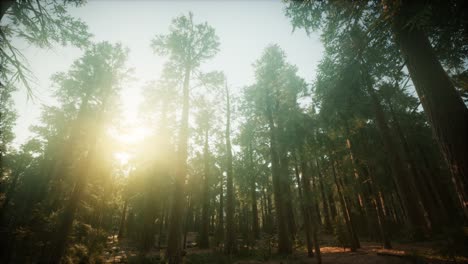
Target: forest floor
425,252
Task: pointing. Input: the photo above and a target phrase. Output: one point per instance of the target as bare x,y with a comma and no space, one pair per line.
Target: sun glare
126,139
122,157
133,131
131,135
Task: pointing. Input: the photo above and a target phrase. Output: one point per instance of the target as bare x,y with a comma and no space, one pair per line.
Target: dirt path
121,251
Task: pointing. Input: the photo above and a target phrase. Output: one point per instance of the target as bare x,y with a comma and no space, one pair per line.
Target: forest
367,162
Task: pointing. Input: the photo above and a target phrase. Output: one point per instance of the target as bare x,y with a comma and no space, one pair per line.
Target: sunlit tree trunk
204,238
220,228
229,246
178,199
66,224
65,227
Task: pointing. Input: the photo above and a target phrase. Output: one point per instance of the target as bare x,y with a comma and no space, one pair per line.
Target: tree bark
326,207
442,105
347,216
379,207
305,213
404,181
284,243
310,205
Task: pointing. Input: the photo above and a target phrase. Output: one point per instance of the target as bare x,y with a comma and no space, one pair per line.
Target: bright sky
244,28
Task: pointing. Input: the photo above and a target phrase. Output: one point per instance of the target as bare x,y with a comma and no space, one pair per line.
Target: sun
131,135
126,139
122,157
131,131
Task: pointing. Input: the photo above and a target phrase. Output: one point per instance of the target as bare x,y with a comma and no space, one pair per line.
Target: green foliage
187,44
40,23
7,122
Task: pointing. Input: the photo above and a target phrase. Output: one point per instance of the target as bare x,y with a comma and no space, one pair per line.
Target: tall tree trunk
204,237
318,216
187,218
404,182
149,216
286,189
310,204
230,244
326,207
64,159
161,224
442,104
331,202
352,218
440,187
65,227
379,207
253,196
177,211
357,183
220,228
263,210
346,212
284,242
122,220
436,216
375,197
305,212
